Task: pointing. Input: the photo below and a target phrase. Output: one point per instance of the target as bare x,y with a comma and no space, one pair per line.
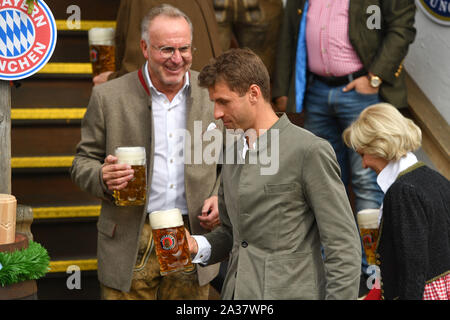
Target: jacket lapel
149,131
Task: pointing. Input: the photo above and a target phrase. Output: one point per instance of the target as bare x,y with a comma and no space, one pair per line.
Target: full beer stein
102,51
170,241
135,192
368,227
8,204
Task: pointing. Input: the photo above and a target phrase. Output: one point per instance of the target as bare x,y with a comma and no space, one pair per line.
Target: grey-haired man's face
166,31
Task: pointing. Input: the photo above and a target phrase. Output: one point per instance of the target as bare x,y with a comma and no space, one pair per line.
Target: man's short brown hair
239,68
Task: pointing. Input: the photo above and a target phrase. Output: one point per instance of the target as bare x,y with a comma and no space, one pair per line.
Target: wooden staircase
46,114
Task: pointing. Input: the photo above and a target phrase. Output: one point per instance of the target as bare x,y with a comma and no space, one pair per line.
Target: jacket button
244,244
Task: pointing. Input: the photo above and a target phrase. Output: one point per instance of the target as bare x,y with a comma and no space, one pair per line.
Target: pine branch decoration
31,263
30,4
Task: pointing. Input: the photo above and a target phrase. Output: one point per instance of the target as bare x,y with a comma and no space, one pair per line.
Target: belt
340,81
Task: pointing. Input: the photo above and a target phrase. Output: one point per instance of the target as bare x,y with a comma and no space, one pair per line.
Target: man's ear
144,48
254,93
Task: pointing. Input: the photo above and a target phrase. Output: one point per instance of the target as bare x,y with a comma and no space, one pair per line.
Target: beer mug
135,192
368,227
8,204
102,52
170,241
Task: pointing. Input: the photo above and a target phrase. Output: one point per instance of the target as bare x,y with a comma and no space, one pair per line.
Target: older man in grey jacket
276,217
146,108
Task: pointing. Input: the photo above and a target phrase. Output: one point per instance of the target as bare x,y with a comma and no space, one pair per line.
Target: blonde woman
413,249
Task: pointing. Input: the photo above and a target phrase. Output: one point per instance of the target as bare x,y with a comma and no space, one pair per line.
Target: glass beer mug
101,48
135,192
8,205
170,241
368,228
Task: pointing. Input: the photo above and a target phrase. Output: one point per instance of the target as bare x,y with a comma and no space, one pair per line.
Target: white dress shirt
389,174
167,190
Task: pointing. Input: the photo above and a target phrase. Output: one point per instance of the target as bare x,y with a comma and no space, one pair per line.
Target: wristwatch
375,81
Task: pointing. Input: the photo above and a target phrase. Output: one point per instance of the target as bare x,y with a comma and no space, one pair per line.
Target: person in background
413,250
130,14
252,24
334,59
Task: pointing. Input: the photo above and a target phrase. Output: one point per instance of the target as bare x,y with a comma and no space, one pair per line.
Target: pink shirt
330,52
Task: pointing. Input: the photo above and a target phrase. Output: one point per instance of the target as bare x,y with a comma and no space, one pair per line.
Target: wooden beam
85,25
47,113
435,129
66,212
67,68
62,265
5,137
42,162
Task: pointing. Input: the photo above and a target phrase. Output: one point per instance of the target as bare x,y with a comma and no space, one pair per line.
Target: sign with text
27,40
436,10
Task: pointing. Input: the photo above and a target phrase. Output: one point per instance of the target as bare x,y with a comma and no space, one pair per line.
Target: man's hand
210,213
101,78
361,85
193,246
116,176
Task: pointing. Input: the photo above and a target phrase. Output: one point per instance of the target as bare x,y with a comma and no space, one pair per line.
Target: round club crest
436,10
27,40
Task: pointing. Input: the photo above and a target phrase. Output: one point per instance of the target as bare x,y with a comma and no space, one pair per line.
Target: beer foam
368,218
101,36
166,219
134,156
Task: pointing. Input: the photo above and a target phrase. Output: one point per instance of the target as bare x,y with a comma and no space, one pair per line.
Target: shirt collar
147,76
281,123
246,147
390,173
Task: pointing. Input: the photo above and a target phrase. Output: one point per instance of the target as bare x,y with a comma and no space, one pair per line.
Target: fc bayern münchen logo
27,40
436,10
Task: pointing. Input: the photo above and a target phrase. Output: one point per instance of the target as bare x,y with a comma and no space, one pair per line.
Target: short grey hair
162,10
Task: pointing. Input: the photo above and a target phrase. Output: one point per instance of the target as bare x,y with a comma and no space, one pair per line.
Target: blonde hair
381,130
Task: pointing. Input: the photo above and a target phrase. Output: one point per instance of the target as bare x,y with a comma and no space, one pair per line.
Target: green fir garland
22,265
30,4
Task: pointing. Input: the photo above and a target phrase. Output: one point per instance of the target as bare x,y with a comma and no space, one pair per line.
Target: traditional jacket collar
390,173
146,82
281,123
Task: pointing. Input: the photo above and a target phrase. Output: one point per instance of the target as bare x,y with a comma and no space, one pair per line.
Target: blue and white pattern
17,33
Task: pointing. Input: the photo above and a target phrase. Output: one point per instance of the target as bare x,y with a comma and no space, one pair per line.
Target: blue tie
300,63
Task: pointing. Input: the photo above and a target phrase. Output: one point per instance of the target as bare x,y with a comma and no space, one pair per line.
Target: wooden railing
435,129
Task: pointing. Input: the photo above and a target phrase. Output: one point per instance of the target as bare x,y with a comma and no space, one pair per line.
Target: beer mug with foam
8,205
102,52
368,227
170,241
135,192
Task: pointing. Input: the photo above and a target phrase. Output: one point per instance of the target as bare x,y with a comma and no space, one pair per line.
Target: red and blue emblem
27,41
168,242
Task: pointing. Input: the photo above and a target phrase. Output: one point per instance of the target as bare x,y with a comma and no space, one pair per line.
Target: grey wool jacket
275,224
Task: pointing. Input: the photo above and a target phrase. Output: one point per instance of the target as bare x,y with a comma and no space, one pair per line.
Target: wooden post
24,214
5,137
